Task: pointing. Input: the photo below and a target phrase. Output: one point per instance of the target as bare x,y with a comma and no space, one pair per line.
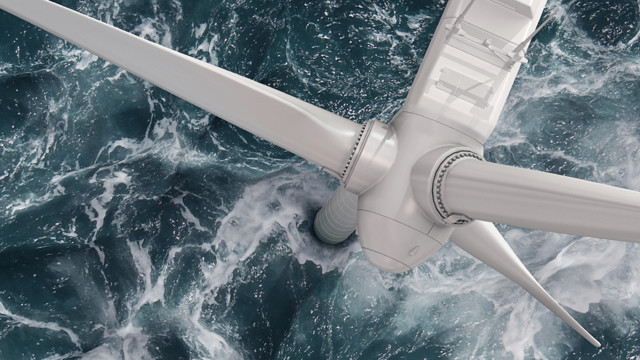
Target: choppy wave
136,226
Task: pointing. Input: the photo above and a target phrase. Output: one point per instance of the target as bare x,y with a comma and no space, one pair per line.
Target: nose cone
384,263
391,245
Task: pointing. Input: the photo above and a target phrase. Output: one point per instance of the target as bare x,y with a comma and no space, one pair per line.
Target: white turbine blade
306,130
539,200
471,63
483,241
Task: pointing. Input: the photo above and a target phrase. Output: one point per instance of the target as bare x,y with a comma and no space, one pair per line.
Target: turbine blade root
538,200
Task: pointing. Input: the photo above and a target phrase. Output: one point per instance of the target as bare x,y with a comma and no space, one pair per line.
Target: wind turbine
413,184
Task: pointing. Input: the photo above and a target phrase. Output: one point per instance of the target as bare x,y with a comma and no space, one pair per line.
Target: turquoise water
136,226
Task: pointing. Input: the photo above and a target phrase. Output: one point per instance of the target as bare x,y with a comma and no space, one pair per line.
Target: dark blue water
136,226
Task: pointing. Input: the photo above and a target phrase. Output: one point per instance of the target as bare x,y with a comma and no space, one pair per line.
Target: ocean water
134,225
